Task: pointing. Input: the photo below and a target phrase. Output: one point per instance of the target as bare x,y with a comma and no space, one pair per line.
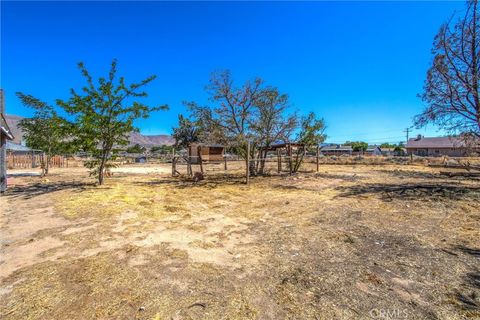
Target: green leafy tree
162,149
46,130
398,150
187,132
104,114
136,149
387,145
312,133
357,146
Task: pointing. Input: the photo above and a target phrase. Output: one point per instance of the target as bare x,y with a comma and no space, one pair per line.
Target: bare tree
272,123
253,113
452,83
229,120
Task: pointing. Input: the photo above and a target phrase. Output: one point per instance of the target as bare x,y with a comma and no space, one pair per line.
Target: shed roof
210,145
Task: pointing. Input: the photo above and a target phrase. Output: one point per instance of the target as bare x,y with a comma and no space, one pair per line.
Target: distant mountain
151,140
135,137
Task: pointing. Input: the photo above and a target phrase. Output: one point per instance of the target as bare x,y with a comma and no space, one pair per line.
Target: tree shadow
412,174
184,182
24,174
416,191
38,189
403,174
471,251
473,279
468,299
345,177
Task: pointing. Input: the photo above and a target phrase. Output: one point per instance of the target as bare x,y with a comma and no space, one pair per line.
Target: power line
367,133
384,139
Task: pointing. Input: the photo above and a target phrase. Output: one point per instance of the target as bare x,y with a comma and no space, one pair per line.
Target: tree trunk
101,169
263,155
47,164
43,164
299,159
253,166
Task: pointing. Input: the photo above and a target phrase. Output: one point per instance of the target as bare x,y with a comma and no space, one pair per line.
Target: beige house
442,146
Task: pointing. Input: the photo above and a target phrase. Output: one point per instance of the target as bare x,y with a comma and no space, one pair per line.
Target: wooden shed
205,152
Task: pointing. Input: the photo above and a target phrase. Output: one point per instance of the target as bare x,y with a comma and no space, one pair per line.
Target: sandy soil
144,169
351,241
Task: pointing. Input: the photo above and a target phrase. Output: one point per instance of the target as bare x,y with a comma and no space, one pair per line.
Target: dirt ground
349,242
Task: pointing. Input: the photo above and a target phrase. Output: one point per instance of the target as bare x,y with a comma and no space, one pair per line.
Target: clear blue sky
359,65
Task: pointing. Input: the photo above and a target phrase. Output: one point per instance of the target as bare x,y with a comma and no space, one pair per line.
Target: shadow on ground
471,251
405,174
184,182
417,191
38,189
345,177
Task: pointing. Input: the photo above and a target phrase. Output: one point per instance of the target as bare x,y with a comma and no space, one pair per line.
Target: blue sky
357,64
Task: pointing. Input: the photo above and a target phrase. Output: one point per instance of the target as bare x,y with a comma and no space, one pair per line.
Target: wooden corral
33,160
287,150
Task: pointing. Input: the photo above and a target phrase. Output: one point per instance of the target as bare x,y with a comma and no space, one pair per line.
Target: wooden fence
33,160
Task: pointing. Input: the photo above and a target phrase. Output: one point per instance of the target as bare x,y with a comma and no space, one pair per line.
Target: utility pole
407,131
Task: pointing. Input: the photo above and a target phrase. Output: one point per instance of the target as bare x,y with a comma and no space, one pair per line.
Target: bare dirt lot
348,242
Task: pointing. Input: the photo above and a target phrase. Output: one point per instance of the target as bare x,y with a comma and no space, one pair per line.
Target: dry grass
334,244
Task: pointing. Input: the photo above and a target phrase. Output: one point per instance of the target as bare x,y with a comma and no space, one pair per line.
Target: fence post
318,154
279,160
189,166
290,158
225,160
247,170
199,151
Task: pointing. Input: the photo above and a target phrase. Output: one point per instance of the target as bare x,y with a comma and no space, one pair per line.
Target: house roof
336,147
12,146
371,148
436,142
